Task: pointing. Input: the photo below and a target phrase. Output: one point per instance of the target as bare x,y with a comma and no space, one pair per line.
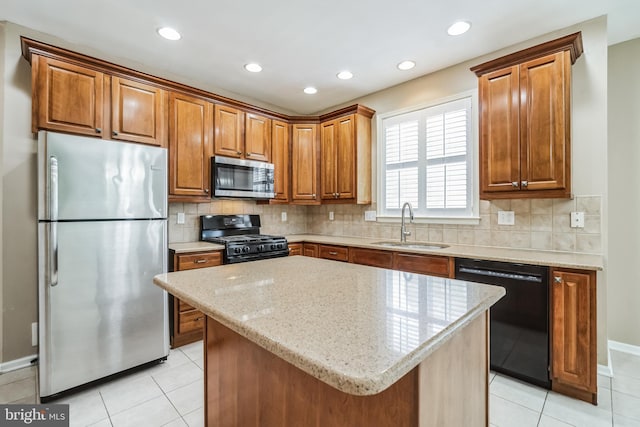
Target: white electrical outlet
331,216
283,217
180,218
577,219
369,215
34,334
506,218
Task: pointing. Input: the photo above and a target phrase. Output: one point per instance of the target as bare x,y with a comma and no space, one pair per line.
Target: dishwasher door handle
502,274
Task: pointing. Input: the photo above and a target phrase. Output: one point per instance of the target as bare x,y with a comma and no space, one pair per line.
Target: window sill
432,220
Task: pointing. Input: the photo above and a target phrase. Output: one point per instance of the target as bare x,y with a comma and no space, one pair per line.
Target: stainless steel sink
413,245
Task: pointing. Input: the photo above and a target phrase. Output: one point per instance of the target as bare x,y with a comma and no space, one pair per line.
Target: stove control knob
236,250
273,247
260,248
245,249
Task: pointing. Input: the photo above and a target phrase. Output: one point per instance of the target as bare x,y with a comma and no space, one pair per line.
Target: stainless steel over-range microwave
241,178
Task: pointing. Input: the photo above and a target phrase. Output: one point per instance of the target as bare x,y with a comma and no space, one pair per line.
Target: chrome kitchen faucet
403,229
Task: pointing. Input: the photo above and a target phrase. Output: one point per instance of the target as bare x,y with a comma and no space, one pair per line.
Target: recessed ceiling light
310,90
458,28
169,33
253,67
406,65
345,75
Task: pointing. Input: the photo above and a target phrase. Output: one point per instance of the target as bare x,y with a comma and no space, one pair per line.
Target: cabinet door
432,265
544,118
573,327
280,159
328,166
304,157
372,257
229,134
499,131
257,142
69,97
346,157
310,249
137,112
295,249
190,136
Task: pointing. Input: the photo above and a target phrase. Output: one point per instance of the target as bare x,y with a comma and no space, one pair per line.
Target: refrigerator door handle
53,206
53,188
53,253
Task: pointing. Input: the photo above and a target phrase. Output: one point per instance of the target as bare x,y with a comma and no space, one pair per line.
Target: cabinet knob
313,195
248,154
333,253
557,279
239,153
514,184
115,133
525,183
98,130
200,261
206,190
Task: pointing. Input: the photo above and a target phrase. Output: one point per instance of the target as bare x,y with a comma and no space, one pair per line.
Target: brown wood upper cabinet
345,158
241,135
67,97
304,164
280,159
75,99
137,112
573,333
525,121
190,142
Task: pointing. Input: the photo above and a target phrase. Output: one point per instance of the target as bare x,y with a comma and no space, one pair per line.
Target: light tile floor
171,394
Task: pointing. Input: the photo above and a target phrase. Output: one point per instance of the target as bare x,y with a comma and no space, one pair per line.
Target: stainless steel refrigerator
102,236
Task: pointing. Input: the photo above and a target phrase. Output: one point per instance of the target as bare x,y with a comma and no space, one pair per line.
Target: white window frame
472,156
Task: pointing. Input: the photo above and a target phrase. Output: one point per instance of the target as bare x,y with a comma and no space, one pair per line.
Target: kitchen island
310,342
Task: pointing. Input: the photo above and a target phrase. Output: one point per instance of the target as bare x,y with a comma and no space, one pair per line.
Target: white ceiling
303,42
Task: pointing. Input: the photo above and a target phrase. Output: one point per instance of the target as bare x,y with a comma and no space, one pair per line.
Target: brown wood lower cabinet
336,253
310,249
186,323
295,249
371,257
573,333
432,265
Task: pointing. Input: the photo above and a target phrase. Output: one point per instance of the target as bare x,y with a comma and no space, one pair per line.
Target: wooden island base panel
246,385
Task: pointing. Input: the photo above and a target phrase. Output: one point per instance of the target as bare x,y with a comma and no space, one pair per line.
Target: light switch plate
180,218
577,219
34,334
506,218
283,217
331,216
369,215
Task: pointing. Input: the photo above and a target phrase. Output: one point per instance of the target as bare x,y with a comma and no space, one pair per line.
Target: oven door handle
501,274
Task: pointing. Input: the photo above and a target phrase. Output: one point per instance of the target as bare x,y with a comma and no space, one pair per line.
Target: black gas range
240,234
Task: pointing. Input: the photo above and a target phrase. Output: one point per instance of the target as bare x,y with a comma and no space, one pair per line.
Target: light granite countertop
181,248
525,256
357,328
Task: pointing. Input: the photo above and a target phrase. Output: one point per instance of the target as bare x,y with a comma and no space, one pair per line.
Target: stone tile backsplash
542,224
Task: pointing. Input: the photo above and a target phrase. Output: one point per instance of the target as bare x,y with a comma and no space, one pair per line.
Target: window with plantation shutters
426,160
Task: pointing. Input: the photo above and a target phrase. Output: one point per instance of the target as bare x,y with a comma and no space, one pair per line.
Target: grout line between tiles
105,407
171,403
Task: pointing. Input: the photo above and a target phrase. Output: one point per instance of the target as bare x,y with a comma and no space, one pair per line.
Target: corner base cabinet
573,334
186,323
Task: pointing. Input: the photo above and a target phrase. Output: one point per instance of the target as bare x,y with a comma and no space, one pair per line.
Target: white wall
2,126
624,189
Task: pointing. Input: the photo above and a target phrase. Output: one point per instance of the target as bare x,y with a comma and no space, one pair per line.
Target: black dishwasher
519,322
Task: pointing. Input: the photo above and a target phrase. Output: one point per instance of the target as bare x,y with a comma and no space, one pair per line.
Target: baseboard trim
624,348
605,370
12,365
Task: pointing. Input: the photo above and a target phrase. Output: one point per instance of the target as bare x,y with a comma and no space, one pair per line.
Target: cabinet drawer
295,249
336,253
372,257
190,321
199,260
422,264
183,306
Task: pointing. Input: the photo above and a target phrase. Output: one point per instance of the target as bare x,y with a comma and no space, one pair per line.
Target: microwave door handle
53,210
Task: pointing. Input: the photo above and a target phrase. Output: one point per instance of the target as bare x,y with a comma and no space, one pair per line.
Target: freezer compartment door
82,178
105,314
